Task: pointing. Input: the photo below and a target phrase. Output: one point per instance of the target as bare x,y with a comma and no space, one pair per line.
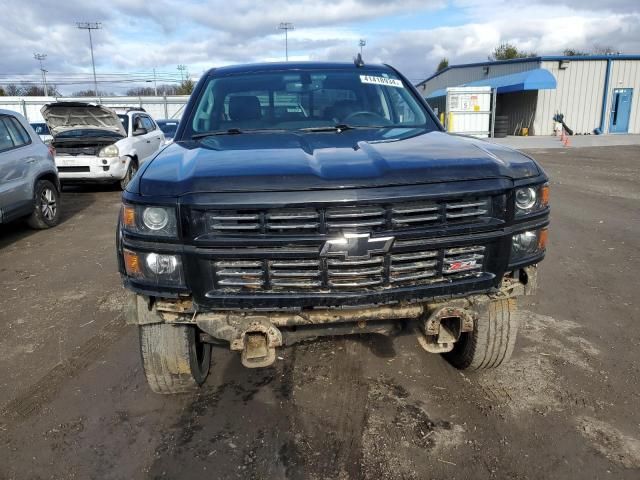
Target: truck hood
288,161
66,116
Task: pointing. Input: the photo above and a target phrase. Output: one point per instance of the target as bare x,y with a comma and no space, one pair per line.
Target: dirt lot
74,403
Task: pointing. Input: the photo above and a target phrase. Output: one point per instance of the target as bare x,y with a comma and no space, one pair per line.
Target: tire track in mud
44,390
328,412
231,428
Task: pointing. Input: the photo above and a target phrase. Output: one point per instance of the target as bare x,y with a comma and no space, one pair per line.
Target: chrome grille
240,273
414,266
288,221
294,273
373,218
326,274
466,210
355,273
340,218
416,215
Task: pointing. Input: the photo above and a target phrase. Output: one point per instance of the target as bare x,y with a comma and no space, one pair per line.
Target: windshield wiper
341,127
234,131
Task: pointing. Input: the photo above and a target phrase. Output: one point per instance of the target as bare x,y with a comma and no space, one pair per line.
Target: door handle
31,160
148,141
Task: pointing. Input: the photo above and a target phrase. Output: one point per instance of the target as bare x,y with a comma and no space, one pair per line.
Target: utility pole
362,44
286,26
182,68
155,85
91,26
41,57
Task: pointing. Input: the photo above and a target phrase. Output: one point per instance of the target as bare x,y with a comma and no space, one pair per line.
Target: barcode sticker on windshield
389,82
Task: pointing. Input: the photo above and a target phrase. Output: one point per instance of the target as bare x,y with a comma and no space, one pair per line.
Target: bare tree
91,93
604,50
572,52
12,90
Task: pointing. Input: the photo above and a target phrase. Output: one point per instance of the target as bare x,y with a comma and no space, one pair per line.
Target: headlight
148,220
531,199
154,268
109,151
527,244
155,218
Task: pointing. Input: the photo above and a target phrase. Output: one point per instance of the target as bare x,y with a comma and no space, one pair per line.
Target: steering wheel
362,113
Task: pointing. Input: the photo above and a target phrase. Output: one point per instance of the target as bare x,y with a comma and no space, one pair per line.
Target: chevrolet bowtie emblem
356,246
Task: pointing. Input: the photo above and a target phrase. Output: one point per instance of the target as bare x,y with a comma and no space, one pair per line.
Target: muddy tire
174,360
46,208
492,340
132,169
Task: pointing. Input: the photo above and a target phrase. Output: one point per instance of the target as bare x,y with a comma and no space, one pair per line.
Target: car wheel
174,358
131,172
491,342
46,212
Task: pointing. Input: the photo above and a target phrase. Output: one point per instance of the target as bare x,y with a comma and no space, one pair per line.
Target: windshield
294,100
87,132
168,127
40,128
124,119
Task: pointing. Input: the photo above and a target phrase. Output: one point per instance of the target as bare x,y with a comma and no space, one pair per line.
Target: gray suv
29,184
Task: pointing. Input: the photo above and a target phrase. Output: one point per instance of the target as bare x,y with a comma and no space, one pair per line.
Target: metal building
594,93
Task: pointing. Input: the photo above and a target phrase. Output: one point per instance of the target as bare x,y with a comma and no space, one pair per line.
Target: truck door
142,143
154,135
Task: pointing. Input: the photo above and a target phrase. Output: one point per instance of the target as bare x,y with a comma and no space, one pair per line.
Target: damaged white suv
95,144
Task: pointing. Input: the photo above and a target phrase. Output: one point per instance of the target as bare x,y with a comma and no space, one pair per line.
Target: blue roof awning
537,79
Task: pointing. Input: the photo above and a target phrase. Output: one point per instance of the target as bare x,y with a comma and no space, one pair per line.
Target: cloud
139,35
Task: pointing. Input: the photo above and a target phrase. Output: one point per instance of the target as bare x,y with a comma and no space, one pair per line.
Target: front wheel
131,172
46,211
492,340
174,358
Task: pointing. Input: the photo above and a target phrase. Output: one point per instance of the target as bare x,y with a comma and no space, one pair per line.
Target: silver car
29,184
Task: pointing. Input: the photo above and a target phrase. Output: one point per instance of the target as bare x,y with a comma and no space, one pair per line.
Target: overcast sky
413,35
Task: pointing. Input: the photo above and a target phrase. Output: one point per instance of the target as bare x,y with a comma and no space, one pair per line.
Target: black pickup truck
309,199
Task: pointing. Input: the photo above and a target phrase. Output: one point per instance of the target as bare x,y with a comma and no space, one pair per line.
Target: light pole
182,68
362,43
286,26
155,85
91,26
41,57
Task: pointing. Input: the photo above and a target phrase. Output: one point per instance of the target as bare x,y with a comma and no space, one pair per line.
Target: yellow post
450,122
442,118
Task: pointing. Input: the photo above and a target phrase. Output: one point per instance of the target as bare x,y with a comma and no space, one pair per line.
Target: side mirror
139,131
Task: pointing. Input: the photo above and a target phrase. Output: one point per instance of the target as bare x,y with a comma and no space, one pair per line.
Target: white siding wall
578,96
625,74
457,76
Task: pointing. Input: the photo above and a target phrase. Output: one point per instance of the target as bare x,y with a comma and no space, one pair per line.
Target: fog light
155,218
525,242
161,264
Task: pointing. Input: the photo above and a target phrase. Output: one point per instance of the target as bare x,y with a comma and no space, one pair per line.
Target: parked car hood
66,116
309,161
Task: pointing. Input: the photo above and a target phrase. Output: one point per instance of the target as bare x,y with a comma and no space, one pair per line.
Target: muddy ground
74,403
